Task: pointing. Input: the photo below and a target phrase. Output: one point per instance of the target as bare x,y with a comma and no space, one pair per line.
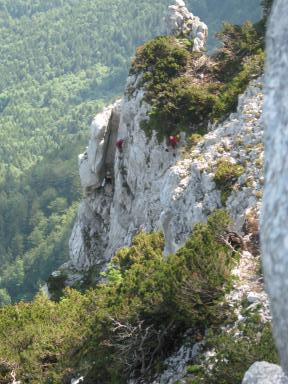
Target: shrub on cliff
235,351
186,90
131,321
225,177
160,60
155,300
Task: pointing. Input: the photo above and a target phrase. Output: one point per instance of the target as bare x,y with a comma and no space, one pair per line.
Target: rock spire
181,22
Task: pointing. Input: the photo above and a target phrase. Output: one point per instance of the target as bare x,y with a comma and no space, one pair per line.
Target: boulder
265,373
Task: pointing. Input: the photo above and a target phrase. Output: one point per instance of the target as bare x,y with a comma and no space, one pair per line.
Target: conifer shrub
186,90
236,351
129,323
56,285
239,42
160,59
39,339
226,176
156,300
228,99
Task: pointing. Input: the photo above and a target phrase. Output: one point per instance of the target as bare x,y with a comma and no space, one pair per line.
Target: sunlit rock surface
157,188
182,22
265,373
274,231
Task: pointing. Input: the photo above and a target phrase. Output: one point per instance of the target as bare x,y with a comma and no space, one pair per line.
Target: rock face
155,187
265,373
99,157
176,365
182,22
274,228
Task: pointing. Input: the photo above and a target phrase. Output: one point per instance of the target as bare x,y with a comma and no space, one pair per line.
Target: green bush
181,106
145,305
186,94
38,339
131,321
160,59
226,176
235,354
228,99
239,42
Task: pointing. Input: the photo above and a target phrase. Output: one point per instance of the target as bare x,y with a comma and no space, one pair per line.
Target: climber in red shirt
119,144
173,141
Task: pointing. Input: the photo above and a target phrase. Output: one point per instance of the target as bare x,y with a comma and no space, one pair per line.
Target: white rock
265,373
182,22
92,163
253,297
77,381
180,3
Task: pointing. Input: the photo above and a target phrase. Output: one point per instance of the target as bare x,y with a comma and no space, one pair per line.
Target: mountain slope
159,197
61,61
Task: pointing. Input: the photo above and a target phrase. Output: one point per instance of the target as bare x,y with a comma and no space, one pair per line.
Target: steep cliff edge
176,292
135,182
155,187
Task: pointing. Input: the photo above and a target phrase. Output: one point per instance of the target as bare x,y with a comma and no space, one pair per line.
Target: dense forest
61,62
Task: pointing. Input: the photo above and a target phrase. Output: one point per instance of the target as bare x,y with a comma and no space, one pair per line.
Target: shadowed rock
274,223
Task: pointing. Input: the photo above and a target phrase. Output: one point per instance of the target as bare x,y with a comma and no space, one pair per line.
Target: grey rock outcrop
155,187
99,157
265,373
274,226
176,365
182,22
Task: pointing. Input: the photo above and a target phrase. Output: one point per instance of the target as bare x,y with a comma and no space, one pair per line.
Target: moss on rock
225,177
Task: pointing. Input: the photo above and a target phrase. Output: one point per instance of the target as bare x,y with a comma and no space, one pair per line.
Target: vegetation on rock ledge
234,351
186,90
226,176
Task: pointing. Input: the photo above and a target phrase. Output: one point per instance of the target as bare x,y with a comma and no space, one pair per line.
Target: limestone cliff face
274,232
146,185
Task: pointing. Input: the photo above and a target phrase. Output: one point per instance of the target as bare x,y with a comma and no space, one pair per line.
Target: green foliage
153,296
37,339
160,59
4,297
175,102
131,321
228,99
194,369
187,89
60,65
235,353
226,176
